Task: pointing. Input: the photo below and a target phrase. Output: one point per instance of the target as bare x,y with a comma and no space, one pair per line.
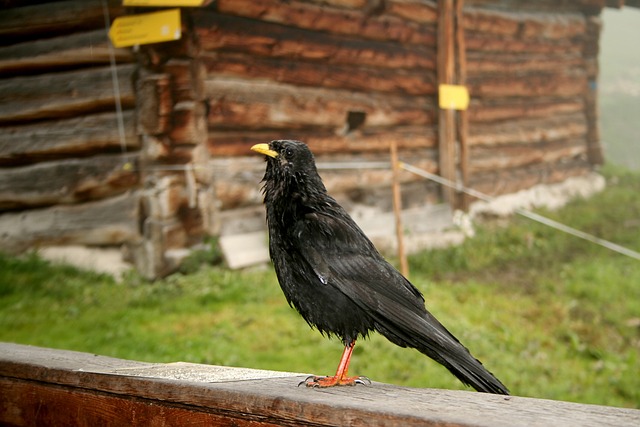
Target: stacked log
67,175
339,75
177,201
531,68
346,76
300,69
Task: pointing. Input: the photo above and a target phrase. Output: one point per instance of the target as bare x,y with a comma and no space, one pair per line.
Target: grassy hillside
552,316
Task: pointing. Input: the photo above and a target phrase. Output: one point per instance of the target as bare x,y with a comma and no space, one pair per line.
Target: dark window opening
355,120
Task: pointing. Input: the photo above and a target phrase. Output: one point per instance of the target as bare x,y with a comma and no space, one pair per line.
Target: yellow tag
146,28
163,3
453,97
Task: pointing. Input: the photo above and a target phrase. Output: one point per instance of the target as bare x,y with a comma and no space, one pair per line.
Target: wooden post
463,121
397,209
446,70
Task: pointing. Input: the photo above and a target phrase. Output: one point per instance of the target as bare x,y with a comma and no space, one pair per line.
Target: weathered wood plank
67,181
509,180
501,63
96,390
46,55
524,131
79,136
562,83
491,43
520,25
490,110
422,11
564,6
230,33
510,156
321,74
245,104
31,21
106,222
358,22
323,141
59,95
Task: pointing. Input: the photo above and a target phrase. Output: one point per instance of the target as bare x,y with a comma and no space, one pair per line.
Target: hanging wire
114,79
527,214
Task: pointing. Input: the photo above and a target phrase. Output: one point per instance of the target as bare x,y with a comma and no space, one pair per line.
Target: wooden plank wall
65,174
532,68
342,76
346,76
306,69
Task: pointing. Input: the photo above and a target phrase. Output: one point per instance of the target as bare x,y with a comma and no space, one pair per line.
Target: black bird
331,273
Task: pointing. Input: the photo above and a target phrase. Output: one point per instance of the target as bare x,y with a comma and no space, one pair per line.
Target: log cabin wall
346,76
349,76
70,173
66,174
532,71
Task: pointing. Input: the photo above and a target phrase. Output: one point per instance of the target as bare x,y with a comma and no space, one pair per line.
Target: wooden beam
506,157
494,182
463,118
525,131
229,33
63,52
446,75
326,141
308,73
251,105
45,386
55,139
65,94
30,21
389,25
67,181
110,221
500,109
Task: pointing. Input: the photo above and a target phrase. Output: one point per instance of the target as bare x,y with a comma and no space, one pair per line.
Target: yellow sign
163,3
146,28
453,97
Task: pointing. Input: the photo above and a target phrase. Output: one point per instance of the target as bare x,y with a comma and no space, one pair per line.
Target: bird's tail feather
431,338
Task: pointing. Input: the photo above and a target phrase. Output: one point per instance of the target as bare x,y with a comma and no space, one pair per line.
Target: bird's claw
323,382
310,378
362,380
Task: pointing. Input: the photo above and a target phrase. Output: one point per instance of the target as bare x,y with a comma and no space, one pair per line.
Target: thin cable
114,79
527,214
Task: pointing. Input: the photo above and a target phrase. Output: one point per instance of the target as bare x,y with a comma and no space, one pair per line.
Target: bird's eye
288,153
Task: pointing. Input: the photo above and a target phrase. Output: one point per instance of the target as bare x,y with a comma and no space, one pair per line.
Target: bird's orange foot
322,382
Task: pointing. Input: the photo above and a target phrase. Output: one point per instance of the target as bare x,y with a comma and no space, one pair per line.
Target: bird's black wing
342,256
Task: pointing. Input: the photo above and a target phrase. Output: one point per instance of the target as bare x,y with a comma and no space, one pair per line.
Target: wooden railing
41,386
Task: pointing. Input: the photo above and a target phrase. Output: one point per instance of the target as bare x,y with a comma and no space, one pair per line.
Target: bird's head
290,166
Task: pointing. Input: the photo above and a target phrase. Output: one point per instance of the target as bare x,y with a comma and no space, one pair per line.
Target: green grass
552,316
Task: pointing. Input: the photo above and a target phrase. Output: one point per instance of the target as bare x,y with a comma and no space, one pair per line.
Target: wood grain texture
111,221
54,139
94,390
67,181
60,95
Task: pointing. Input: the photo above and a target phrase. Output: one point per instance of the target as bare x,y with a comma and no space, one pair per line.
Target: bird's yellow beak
264,149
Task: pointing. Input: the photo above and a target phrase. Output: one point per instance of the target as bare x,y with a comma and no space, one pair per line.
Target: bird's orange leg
341,377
